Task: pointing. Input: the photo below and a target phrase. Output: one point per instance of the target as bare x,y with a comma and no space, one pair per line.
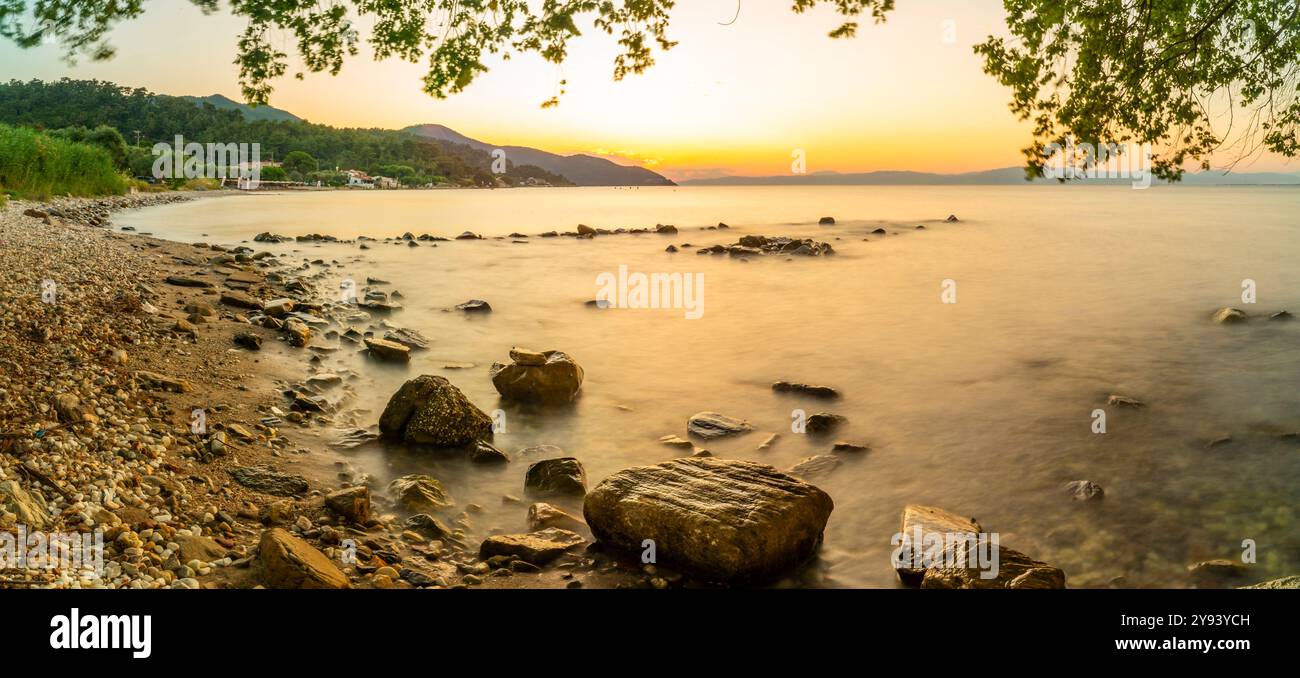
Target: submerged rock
388,351
952,553
429,410
419,493
1084,490
550,377
1114,400
826,221
815,467
823,422
710,425
475,306
721,520
1228,315
805,389
542,515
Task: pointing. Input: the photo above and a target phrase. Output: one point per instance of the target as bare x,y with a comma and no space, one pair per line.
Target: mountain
250,113
1002,176
583,170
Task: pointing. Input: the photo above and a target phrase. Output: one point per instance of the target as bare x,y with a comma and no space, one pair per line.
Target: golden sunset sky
729,99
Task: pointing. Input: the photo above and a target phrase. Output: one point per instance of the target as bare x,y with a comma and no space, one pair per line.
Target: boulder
920,521
486,453
388,351
429,410
823,422
249,341
1015,571
291,563
722,520
563,476
556,381
709,425
429,527
826,221
419,493
352,503
954,538
475,306
537,548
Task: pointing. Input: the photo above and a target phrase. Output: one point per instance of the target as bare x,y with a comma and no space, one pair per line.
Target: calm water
1064,295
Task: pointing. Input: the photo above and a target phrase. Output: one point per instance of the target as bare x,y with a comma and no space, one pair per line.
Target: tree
299,162
1176,74
273,173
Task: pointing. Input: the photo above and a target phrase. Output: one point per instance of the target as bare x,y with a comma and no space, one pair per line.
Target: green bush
36,165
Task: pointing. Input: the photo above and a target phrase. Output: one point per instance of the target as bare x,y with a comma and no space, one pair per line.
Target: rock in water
1292,582
1084,490
542,515
553,382
1015,571
938,545
389,351
291,563
805,389
429,410
475,306
721,520
709,425
563,476
419,493
538,548
826,221
918,522
352,503
1229,315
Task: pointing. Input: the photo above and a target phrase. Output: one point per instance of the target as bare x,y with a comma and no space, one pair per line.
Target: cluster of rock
758,245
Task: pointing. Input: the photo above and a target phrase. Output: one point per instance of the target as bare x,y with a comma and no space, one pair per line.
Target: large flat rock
715,519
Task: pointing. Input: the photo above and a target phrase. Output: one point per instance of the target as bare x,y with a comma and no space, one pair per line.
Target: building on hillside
385,182
359,179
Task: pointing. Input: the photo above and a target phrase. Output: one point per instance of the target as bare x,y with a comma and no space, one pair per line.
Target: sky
746,98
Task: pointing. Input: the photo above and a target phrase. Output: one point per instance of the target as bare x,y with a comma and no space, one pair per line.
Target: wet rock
268,480
724,520
429,527
419,493
823,422
277,308
267,236
291,563
298,332
408,338
844,447
1217,569
485,453
352,503
556,477
952,218
1281,315
676,441
249,341
184,281
537,548
388,351
542,515
666,229
469,235
526,357
1084,490
826,221
240,300
584,229
163,382
1228,315
475,306
815,467
918,523
1015,571
1124,401
554,382
429,410
710,425
805,389
1292,582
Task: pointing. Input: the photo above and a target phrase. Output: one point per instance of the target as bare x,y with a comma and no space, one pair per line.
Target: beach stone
475,306
666,229
298,331
408,338
1084,490
277,308
352,503
184,281
240,300
389,351
1015,571
248,340
542,515
537,548
31,511
485,453
162,382
429,527
523,356
1228,315
291,563
805,389
823,422
1217,569
826,221
429,410
843,447
584,229
268,480
202,549
1124,401
563,476
555,381
815,467
419,493
717,519
709,425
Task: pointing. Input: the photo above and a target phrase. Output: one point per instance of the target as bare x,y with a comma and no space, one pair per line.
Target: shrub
36,165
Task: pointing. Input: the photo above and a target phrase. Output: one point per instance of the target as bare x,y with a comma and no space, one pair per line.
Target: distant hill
583,170
250,113
1002,176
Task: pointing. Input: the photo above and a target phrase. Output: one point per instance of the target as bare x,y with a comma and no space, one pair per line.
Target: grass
36,166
